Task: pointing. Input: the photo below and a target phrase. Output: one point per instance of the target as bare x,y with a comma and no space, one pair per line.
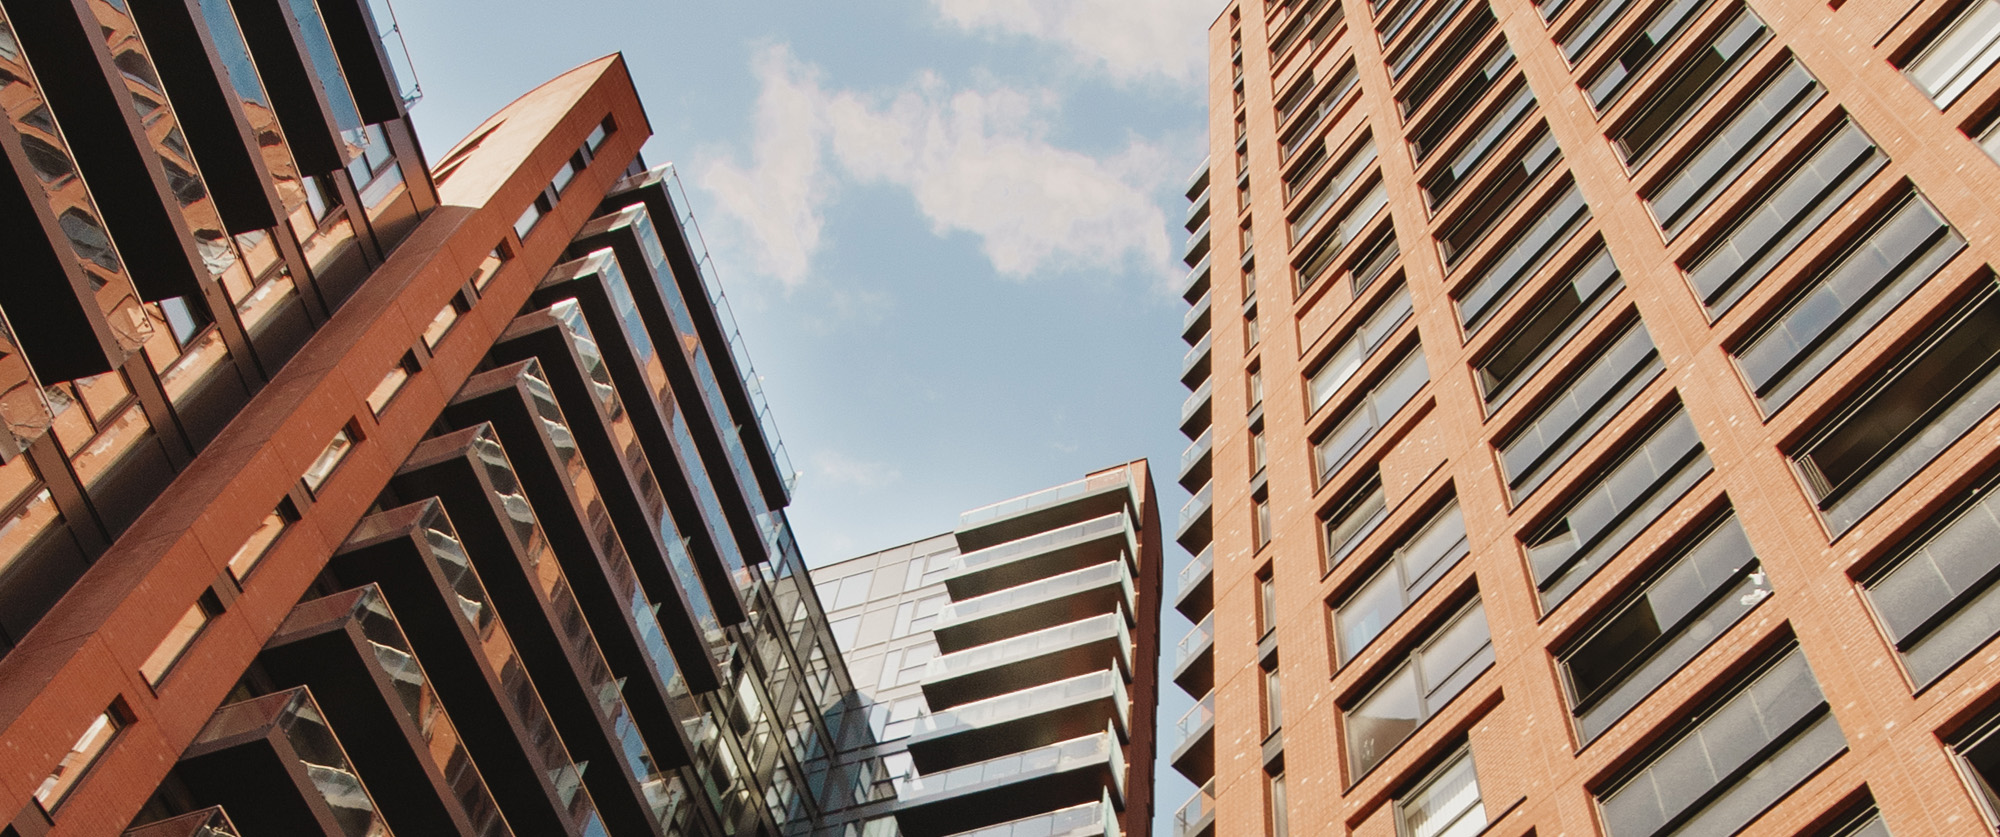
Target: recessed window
1828,316
1274,701
530,216
183,633
1732,146
1260,520
392,382
1411,569
1498,123
259,543
1467,94
1357,515
1502,191
1267,602
599,134
1446,63
1573,411
447,316
1406,53
1306,124
490,265
1535,240
1333,189
1637,52
1936,597
1960,55
329,458
1771,227
1610,512
1339,367
1907,415
1280,820
1322,253
1688,85
1978,756
1367,415
1552,319
1445,803
96,737
1257,450
1591,24
1417,689
1643,642
1739,757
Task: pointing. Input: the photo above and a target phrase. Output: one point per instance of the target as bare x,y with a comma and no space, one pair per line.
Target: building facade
1009,668
355,492
1592,420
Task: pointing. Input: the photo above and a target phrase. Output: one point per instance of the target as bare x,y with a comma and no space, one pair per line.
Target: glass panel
1447,805
91,744
1576,410
1625,499
1534,243
177,640
1733,146
328,459
260,540
1959,56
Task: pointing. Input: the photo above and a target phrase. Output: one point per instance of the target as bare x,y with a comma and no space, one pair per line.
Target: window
603,131
1257,451
1620,503
1366,416
530,216
1552,319
1274,702
1339,367
490,266
1446,63
330,458
1260,520
1280,821
1446,803
1575,410
1978,756
1335,187
1732,146
1412,569
1252,333
1591,25
1504,190
845,630
918,616
1466,95
260,541
1768,230
1352,520
1643,642
1375,257
1936,597
1907,415
1321,254
846,592
1267,602
1535,242
1735,760
1407,53
88,747
1631,58
1959,56
1435,672
447,317
1304,126
1690,84
205,608
1444,181
1830,314
1256,387
392,382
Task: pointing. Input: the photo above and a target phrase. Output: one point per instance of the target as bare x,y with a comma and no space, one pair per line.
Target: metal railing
1044,497
402,72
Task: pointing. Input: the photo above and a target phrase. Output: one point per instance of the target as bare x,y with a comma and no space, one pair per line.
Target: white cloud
1128,40
842,470
974,161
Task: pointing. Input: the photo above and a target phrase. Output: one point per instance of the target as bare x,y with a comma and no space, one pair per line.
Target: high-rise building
1593,420
350,491
1008,670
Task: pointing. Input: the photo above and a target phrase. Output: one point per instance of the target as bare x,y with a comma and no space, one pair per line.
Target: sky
950,229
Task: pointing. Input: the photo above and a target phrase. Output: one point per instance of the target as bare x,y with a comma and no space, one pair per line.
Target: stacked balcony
1030,705
1193,660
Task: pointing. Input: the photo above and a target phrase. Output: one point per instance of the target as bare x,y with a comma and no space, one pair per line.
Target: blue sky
950,228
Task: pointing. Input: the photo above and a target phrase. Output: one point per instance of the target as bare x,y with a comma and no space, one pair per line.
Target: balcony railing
401,71
1195,322
1198,180
1027,702
1199,719
1048,589
1074,754
1195,363
1027,646
1044,497
1197,813
1197,450
1197,211
1087,530
208,822
1196,248
1198,505
1091,819
1196,282
1199,638
1198,569
1196,407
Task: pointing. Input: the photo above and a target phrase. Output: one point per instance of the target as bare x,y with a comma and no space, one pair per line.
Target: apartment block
351,491
1592,420
1008,670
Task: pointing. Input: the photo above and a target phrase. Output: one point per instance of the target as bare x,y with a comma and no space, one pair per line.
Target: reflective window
1321,254
1435,672
1978,752
1688,85
1446,803
179,637
392,382
1732,146
1959,55
89,746
1573,411
1352,520
1936,598
1466,95
1339,367
329,458
260,541
1498,123
1535,241
1637,52
1366,416
1304,125
1333,189
1552,319
1446,62
1502,191
1410,570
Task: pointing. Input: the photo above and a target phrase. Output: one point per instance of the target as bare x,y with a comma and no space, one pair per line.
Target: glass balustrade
1197,810
1048,541
1200,503
1045,497
1076,753
1026,702
1199,639
1025,646
1201,566
1196,720
1048,589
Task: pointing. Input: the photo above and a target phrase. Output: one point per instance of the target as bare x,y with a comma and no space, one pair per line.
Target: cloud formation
976,161
1126,40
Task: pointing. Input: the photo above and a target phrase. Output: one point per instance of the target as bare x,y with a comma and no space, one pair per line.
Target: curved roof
477,166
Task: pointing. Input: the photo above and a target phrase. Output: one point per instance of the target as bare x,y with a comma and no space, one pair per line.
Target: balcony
1020,720
1194,753
1197,586
1198,181
1195,364
1018,562
1196,249
1044,656
208,822
1197,461
1196,283
1194,323
1194,658
1072,502
274,762
1037,605
1196,410
1197,524
1197,212
1094,819
988,793
1196,818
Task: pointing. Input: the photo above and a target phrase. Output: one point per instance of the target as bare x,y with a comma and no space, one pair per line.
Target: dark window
1410,570
1451,174
1625,498
1771,227
1735,761
1936,598
1446,62
1351,521
1591,25
1578,408
1826,317
1535,239
1302,21
1638,50
1646,640
1375,257
1979,752
1420,39
1552,320
88,239
1468,93
1503,190
1366,416
1732,147
1341,232
1907,415
1437,671
1688,86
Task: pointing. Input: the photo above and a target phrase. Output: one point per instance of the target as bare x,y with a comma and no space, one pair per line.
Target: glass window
1573,411
1688,85
1467,94
1732,147
1410,570
1535,241
1260,520
1737,759
392,382
490,266
1364,418
1552,319
1642,643
1496,126
1274,702
1907,415
1435,672
1446,63
1590,25
1332,189
88,747
1936,598
1321,254
1339,367
1267,602
1611,511
1423,36
260,541
179,637
1832,312
441,324
1352,520
1446,803
1960,55
853,591
1771,227
1280,820
1637,52
1304,126
1978,755
1502,191
329,458
529,216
